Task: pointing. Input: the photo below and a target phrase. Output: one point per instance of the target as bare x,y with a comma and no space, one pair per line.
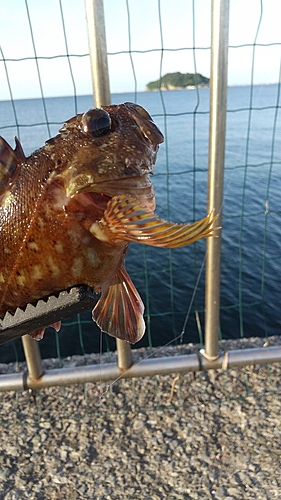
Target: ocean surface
171,283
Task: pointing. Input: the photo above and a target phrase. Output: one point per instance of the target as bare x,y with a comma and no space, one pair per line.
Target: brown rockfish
69,211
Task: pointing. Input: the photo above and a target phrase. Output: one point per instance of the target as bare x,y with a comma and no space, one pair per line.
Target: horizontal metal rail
145,368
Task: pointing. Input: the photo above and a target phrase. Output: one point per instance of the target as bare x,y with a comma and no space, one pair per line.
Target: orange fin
125,220
39,334
119,311
10,161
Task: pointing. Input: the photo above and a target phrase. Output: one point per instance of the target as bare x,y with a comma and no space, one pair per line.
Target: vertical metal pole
124,355
98,52
101,89
33,357
218,101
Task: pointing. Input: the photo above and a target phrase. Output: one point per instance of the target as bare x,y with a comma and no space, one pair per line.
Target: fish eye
96,122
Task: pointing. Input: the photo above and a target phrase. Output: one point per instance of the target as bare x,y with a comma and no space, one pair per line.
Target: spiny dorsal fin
19,151
10,161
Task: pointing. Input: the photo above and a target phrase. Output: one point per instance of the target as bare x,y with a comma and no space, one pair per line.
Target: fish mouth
139,188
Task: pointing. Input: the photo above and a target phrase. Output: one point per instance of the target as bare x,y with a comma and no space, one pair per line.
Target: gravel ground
213,435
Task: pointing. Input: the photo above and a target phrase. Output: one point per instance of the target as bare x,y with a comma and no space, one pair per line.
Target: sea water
171,283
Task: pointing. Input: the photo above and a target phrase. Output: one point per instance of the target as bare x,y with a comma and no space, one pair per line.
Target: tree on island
178,80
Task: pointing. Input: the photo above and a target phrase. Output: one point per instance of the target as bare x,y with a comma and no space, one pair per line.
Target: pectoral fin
125,220
119,311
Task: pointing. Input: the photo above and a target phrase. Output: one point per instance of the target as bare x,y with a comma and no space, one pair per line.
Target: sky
178,36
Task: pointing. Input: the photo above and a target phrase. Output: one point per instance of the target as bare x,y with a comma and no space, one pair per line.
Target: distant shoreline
8,99
179,81
171,87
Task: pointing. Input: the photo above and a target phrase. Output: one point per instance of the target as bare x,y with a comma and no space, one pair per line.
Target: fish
69,211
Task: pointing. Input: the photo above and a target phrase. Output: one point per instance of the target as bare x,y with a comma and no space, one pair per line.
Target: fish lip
138,187
134,187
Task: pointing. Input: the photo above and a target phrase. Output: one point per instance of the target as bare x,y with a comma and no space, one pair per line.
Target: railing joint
211,359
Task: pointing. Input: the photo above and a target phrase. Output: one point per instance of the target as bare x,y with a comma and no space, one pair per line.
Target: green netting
171,283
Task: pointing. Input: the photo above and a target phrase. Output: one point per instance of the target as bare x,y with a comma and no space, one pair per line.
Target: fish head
111,151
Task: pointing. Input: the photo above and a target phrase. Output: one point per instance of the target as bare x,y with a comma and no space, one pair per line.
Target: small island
178,81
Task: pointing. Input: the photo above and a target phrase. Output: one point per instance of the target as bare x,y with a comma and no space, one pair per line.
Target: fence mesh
55,61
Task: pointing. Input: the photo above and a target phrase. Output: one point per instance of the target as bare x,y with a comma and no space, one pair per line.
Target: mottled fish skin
52,231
